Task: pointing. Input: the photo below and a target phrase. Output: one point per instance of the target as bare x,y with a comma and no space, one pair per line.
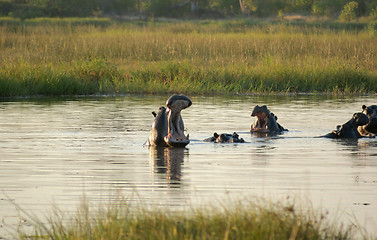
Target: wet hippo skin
371,126
168,128
225,138
350,128
266,121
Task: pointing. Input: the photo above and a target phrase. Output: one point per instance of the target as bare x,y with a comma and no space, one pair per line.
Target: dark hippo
225,138
159,128
371,126
350,128
168,128
266,121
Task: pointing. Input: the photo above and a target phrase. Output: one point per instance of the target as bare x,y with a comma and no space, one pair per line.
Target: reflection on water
168,161
54,151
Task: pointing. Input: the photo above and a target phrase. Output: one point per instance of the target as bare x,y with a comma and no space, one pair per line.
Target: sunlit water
53,152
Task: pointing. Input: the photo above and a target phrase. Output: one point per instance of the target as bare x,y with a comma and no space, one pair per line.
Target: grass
77,56
244,220
72,21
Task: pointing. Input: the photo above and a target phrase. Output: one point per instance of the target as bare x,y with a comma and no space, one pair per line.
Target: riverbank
206,57
244,220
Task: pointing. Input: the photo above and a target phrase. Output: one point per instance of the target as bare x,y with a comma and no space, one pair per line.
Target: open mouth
176,136
260,124
371,126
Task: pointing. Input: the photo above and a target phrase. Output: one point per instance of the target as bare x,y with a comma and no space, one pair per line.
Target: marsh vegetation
243,220
62,57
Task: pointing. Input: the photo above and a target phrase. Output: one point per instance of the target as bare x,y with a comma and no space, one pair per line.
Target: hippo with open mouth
350,128
168,128
371,126
266,121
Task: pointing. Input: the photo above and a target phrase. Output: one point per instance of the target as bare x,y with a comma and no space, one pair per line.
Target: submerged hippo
225,138
371,126
350,128
168,128
266,121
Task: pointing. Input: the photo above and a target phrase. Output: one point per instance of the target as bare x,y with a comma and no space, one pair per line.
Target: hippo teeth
184,138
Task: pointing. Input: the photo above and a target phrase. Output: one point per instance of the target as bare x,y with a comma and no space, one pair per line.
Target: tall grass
195,57
72,21
240,221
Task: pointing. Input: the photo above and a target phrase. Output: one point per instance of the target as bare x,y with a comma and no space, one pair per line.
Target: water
53,152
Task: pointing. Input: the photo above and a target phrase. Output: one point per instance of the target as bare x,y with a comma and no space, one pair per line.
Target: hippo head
266,121
371,112
350,128
360,119
225,138
175,134
167,128
262,114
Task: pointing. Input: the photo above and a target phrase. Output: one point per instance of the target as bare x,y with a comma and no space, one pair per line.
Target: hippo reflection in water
266,121
225,138
168,128
371,126
350,128
168,161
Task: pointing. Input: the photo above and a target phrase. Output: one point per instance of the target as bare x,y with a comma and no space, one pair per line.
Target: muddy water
52,152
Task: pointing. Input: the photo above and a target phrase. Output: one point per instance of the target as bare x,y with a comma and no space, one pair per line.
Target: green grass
77,56
72,21
243,220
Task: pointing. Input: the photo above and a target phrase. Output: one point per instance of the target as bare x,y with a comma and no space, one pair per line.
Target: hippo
371,126
168,128
350,128
225,138
266,121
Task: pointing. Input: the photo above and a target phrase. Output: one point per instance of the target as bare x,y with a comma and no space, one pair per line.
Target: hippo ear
216,135
364,107
154,113
276,117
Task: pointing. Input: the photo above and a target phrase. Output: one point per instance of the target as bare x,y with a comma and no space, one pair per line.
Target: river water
55,151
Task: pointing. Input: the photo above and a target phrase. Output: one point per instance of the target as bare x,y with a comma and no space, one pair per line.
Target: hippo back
159,129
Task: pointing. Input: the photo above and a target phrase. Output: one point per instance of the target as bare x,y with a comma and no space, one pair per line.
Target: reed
244,220
192,57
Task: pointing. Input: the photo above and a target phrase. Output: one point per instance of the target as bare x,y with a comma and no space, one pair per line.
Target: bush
6,7
320,9
26,11
349,12
373,14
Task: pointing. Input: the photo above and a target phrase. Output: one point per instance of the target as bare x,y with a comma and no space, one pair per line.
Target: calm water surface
52,152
